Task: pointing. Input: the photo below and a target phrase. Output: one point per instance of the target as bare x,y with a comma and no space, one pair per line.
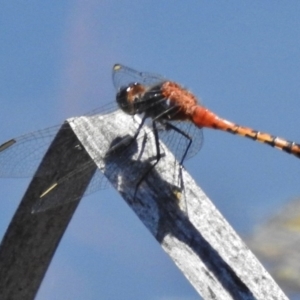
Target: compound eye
123,99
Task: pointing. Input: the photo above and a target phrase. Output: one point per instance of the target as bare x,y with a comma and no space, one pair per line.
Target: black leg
158,157
171,126
140,127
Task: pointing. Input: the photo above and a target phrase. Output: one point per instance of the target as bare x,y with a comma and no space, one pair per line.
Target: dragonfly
168,101
173,113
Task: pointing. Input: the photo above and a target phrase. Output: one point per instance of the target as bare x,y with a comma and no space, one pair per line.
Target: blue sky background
241,58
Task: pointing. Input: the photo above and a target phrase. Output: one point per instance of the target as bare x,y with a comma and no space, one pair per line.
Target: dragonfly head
129,97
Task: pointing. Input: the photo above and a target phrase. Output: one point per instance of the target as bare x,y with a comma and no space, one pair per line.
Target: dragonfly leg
190,140
171,126
158,157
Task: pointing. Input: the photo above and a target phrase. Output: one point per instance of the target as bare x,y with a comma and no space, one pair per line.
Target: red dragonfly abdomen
202,117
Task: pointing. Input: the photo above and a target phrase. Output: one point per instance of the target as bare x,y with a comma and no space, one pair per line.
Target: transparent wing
53,195
123,76
20,157
175,141
178,142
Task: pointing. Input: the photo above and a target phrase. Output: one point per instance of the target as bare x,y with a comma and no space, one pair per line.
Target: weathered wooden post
187,225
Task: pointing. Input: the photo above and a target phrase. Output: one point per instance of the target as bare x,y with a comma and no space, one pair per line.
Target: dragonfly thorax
150,101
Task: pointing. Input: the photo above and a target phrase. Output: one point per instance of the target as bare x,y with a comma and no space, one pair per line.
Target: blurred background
242,59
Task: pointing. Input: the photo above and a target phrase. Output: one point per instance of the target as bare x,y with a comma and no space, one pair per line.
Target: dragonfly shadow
128,162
